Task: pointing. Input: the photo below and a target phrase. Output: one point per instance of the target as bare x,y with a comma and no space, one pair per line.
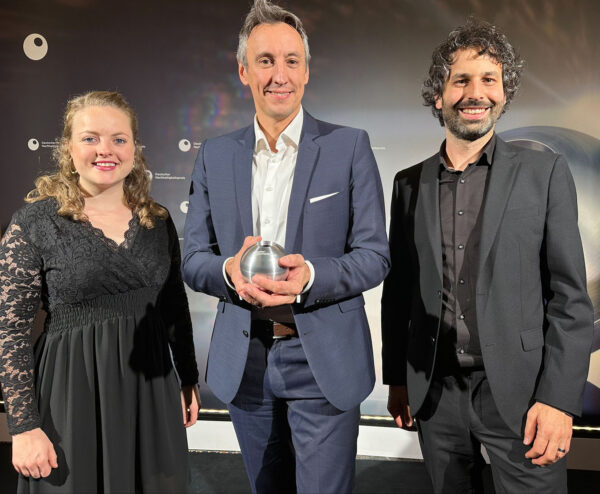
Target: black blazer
535,319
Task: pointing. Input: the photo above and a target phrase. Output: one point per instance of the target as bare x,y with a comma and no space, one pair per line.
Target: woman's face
102,148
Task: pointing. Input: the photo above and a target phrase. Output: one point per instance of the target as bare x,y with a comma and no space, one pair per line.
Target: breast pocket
326,201
519,213
328,218
524,223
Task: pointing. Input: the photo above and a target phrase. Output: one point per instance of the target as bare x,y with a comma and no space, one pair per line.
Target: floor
223,473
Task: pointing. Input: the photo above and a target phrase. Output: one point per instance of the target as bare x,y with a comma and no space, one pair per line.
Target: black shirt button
245,333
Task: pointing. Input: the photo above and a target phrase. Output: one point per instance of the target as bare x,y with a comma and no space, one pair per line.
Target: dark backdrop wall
175,62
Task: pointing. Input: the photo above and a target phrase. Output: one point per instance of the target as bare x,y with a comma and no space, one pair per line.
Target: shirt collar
289,136
486,158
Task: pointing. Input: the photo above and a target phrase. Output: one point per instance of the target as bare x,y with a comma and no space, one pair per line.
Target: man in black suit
487,325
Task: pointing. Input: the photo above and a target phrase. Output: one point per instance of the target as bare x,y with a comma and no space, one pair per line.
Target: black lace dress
100,381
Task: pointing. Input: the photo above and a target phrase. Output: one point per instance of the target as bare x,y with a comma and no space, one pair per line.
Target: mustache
473,103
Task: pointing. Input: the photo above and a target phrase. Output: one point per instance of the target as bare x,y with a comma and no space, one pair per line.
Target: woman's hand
190,404
33,454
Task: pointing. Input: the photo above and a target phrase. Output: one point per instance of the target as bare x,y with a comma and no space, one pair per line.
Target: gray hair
264,12
486,39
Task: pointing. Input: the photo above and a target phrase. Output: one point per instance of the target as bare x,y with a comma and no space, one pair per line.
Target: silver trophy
263,258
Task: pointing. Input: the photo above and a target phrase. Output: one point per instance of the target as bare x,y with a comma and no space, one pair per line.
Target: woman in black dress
97,405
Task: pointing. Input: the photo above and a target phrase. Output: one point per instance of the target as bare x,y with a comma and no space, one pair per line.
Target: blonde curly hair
63,185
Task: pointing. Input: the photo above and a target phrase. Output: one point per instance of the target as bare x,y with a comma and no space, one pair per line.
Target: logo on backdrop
184,206
185,145
34,144
167,176
35,46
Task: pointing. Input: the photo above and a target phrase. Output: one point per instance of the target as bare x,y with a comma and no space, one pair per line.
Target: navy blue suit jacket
343,235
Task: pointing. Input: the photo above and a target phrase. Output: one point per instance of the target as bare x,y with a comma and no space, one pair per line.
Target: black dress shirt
462,195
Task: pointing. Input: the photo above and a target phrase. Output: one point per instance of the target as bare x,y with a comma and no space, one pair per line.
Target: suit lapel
308,151
502,176
427,216
242,169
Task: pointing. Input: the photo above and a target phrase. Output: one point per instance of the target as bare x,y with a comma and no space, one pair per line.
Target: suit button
439,294
245,333
433,340
461,246
461,212
461,282
461,317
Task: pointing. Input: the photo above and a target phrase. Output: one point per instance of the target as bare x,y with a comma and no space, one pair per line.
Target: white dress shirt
272,179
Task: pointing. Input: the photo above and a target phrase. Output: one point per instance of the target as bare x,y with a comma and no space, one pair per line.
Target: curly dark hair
487,40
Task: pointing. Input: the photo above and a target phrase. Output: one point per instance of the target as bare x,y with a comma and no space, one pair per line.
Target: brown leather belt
284,330
275,329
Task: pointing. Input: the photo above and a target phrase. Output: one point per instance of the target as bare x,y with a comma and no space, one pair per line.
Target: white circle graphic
149,173
35,46
184,206
185,145
33,144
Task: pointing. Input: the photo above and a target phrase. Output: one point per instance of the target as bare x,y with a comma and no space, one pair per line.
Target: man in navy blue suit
292,359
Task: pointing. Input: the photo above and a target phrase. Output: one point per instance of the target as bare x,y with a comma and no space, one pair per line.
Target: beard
470,130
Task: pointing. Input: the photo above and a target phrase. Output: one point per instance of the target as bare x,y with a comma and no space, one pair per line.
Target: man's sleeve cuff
556,408
309,285
227,280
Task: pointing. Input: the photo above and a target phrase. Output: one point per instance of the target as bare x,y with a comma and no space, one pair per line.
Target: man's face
277,71
473,96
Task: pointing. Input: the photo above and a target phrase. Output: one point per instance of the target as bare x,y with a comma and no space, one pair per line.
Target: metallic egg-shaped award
262,258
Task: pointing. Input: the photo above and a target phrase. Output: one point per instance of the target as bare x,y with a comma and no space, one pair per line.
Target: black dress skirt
100,382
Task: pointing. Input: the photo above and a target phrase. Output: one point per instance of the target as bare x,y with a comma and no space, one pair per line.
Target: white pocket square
320,198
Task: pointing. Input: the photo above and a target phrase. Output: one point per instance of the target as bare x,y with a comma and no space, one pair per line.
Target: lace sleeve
176,313
20,287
